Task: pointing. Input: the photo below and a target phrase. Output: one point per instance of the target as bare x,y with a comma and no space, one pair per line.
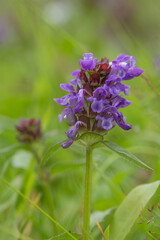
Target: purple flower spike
93,103
88,63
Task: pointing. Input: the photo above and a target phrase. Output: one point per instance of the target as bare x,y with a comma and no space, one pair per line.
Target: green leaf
129,210
14,233
17,159
7,199
50,151
88,139
10,148
63,167
27,184
125,154
65,236
106,233
119,196
101,216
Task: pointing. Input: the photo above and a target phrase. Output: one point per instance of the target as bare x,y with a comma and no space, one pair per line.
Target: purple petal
88,63
132,61
80,102
98,117
123,58
108,124
134,71
71,133
94,63
76,73
63,101
125,66
67,144
114,90
68,114
88,56
62,115
67,87
97,106
122,72
113,78
73,101
121,121
122,88
76,82
120,102
100,93
128,77
90,99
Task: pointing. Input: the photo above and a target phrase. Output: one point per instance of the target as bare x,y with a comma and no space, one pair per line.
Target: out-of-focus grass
37,53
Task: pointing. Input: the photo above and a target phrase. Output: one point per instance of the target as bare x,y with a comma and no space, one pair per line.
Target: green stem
47,189
87,195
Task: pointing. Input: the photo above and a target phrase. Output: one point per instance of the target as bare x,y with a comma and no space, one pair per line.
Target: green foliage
50,151
40,44
101,216
125,154
106,233
37,207
64,236
129,210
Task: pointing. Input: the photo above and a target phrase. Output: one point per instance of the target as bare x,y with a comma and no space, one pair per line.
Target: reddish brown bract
29,130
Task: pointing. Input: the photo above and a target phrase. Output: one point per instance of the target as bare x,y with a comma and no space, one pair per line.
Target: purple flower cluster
28,130
93,105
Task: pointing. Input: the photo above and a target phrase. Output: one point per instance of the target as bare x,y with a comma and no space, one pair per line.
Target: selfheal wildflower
93,104
29,130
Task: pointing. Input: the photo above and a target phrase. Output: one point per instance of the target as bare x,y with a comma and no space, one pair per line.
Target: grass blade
37,207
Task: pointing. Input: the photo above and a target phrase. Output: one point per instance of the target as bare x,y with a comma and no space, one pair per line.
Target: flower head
29,130
93,104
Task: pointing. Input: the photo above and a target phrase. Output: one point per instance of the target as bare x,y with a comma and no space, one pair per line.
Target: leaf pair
95,140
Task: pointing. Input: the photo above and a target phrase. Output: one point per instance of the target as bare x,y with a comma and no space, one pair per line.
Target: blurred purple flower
29,130
94,105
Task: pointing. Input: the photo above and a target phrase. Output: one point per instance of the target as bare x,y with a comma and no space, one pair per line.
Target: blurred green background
41,43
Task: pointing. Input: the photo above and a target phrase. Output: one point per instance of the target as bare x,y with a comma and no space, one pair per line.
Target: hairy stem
87,195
